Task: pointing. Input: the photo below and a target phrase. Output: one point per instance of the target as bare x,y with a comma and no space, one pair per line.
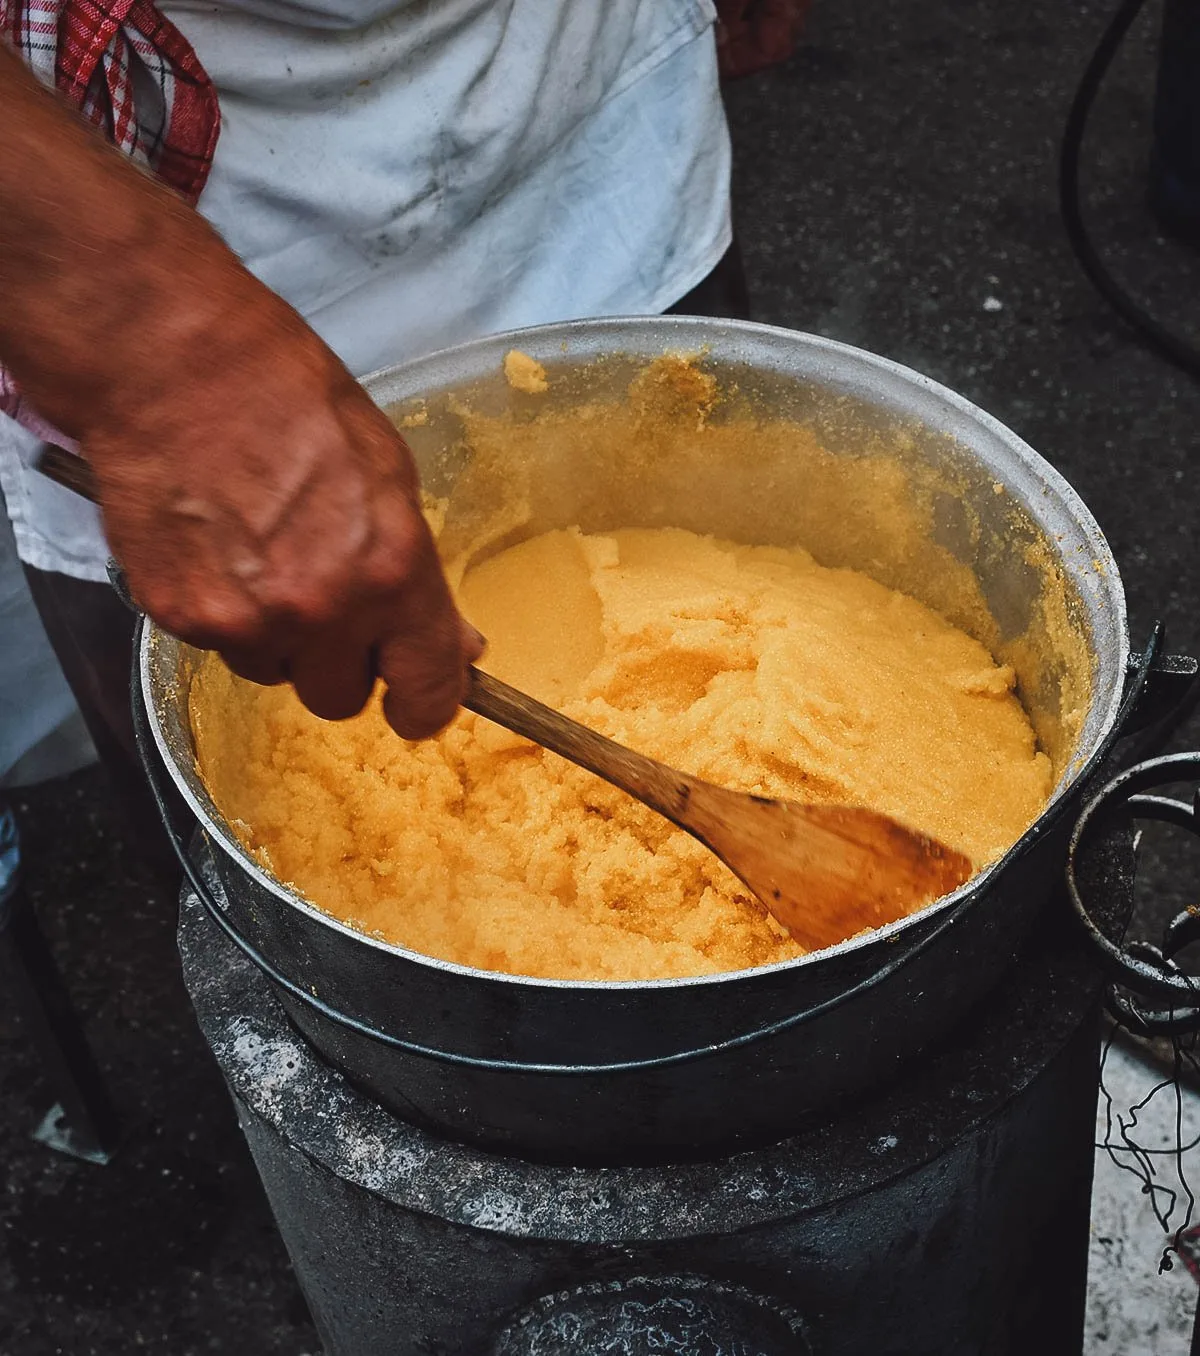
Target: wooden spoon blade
829,871
825,871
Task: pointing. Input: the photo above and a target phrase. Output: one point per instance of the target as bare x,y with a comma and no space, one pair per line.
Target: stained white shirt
41,731
414,173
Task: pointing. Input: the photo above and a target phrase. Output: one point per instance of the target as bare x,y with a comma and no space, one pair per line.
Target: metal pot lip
891,932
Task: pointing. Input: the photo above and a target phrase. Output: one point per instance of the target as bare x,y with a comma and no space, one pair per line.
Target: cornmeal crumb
524,373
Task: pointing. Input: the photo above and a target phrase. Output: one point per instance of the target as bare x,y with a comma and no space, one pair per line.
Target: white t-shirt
413,173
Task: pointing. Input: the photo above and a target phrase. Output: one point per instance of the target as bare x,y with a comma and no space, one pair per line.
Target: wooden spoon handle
68,470
660,787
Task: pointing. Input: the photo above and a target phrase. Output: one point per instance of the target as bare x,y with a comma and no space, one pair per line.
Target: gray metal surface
773,1086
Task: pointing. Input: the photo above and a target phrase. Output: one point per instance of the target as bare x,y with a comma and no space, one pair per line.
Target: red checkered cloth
135,76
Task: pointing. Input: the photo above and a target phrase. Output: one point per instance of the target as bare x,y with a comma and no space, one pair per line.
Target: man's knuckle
389,567
289,601
228,621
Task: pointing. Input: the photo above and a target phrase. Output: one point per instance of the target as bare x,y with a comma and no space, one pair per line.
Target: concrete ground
895,189
1133,1309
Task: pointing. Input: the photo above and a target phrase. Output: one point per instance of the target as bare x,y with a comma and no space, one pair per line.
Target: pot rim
1074,773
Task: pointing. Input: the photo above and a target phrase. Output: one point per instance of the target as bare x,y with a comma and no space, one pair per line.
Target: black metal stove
948,1214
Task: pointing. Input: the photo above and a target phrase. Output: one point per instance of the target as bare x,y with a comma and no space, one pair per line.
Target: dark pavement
895,181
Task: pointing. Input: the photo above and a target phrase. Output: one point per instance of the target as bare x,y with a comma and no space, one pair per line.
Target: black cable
1170,346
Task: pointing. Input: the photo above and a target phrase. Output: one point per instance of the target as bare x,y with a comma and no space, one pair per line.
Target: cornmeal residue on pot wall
620,443
752,666
524,373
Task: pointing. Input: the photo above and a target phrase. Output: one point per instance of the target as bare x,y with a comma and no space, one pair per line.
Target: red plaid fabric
132,73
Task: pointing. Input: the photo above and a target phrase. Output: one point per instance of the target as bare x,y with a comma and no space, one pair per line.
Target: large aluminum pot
657,1070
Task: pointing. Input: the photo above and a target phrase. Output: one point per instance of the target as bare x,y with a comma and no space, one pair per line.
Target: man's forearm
259,502
92,253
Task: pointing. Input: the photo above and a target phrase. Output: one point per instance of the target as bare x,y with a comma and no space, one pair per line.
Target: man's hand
258,501
263,507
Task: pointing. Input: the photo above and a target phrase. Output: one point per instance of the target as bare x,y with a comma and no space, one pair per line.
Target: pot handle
1151,994
1159,694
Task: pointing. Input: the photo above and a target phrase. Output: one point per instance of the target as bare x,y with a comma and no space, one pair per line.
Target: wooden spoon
826,872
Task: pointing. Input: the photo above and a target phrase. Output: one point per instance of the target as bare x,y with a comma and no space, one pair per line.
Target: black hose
1156,336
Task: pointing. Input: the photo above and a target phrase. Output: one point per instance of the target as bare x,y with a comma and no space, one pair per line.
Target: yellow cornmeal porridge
751,666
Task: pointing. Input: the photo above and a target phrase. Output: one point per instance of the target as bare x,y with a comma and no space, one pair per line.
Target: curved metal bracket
1166,693
1141,970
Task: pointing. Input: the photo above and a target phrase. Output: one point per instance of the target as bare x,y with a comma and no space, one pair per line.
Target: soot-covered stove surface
976,1156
